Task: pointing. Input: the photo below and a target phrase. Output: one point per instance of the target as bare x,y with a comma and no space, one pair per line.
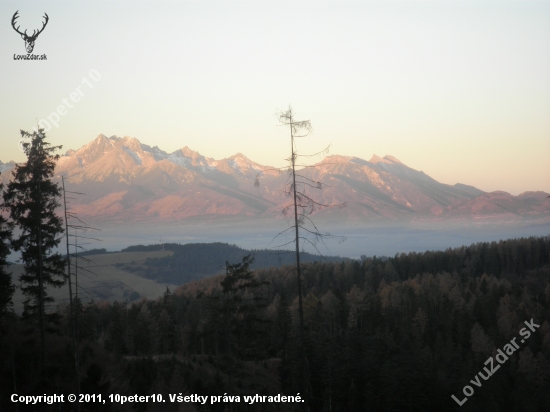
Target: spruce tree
6,285
241,308
32,199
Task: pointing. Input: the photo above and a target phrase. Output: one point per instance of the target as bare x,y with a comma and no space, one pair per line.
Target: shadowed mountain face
125,180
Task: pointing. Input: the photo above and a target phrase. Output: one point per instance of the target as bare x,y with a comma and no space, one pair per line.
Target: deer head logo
29,40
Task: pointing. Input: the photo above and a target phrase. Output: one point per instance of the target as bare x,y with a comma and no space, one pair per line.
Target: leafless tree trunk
302,205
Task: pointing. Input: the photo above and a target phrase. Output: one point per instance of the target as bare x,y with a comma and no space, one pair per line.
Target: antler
15,16
34,35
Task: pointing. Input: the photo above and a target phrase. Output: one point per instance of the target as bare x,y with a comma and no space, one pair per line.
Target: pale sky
457,89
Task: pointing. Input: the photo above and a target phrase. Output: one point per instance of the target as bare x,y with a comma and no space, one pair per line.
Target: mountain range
125,180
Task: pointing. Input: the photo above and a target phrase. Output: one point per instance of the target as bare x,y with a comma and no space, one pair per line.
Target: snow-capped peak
386,159
4,167
243,164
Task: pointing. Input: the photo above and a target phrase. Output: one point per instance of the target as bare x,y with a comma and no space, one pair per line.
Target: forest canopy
400,333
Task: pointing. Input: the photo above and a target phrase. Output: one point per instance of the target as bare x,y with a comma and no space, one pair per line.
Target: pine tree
32,198
6,286
241,307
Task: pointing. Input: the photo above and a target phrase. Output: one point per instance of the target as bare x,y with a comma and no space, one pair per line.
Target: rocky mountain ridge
126,180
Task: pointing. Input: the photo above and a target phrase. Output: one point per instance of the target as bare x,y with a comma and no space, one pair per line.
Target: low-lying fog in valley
367,240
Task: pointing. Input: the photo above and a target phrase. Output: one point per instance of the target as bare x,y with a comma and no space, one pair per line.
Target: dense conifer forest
393,334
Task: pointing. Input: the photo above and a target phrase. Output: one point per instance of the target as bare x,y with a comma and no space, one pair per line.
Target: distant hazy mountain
4,167
126,180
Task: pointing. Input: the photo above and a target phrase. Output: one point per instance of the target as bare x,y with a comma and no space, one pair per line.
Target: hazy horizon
369,240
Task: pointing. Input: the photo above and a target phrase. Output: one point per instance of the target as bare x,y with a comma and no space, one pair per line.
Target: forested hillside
398,334
194,261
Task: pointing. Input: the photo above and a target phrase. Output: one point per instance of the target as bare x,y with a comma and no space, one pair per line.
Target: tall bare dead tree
302,205
72,221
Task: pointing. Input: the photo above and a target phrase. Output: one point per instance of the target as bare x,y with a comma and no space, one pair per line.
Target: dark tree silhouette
32,198
6,286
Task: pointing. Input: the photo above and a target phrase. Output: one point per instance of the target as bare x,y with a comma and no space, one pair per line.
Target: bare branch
324,151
